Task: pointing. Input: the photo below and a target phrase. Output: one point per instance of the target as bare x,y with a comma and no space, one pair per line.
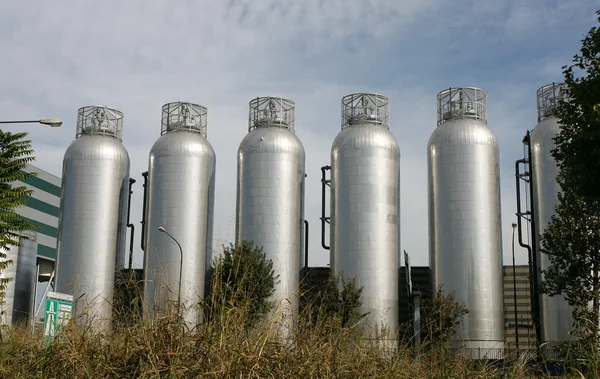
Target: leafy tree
577,149
241,277
572,238
440,316
15,154
572,243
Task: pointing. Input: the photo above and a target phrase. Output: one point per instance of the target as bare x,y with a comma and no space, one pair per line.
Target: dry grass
225,347
222,348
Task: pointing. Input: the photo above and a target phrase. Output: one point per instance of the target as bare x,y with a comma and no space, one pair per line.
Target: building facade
42,209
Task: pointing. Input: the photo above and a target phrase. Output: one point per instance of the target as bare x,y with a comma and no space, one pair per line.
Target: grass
223,349
226,345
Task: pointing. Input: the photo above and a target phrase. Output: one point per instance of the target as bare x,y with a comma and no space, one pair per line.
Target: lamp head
514,225
53,122
161,229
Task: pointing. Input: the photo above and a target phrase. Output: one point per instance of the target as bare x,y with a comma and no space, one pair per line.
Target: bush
241,277
441,315
325,303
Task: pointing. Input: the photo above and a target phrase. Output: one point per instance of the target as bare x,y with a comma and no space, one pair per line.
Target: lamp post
53,122
514,226
161,229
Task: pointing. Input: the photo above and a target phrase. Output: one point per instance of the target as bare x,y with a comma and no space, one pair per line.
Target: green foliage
328,304
15,154
572,238
578,144
241,277
440,316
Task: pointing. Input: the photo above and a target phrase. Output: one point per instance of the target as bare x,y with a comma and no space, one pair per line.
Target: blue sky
137,55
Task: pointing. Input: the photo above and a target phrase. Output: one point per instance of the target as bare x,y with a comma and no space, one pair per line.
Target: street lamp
53,122
514,226
161,229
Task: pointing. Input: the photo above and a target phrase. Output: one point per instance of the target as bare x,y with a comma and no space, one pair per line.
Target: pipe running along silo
556,318
180,210
270,195
465,240
93,216
365,207
19,301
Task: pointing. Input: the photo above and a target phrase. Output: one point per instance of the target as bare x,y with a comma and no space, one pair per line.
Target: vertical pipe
530,250
416,300
324,219
33,300
143,232
129,224
520,215
534,237
306,243
515,289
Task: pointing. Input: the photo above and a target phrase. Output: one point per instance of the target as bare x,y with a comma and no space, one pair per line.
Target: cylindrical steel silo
90,232
555,313
365,206
181,185
270,194
26,279
19,291
465,241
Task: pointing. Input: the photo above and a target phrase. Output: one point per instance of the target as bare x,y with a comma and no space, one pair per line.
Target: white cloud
137,55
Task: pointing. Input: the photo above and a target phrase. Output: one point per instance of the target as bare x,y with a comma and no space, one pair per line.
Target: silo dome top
99,120
548,98
365,108
272,111
461,103
178,116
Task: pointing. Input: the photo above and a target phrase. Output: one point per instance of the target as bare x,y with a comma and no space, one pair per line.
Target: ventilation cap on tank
182,116
365,108
461,103
272,112
29,234
99,120
548,98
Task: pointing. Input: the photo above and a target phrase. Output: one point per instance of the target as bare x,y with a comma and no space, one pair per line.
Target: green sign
58,312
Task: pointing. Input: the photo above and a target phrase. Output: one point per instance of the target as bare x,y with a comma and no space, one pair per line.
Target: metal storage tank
91,231
365,206
465,241
555,313
270,194
19,292
181,185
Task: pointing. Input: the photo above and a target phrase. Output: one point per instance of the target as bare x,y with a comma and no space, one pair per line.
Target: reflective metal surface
25,280
181,185
12,254
91,224
555,314
465,242
270,200
19,291
365,206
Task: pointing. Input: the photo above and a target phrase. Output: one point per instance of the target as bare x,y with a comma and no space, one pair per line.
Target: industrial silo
270,194
556,318
180,207
18,302
91,231
365,207
465,242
